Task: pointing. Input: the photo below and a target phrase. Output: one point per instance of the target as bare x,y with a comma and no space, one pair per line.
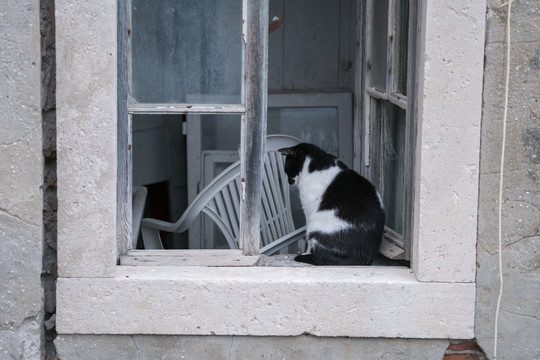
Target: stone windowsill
281,301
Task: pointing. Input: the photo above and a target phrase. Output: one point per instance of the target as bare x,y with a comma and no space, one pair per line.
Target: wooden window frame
397,246
253,126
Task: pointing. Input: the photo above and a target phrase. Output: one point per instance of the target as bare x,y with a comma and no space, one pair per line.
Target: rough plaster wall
519,323
118,347
21,177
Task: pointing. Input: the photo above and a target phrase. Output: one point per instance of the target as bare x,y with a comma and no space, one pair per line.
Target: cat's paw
305,258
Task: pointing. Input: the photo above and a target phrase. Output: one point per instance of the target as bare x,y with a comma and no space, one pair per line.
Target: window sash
186,47
253,129
371,163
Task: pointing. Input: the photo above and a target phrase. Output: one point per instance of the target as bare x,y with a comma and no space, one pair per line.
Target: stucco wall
21,177
519,325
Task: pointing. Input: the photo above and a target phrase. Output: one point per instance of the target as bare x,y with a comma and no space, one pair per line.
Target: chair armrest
150,232
158,224
284,241
139,201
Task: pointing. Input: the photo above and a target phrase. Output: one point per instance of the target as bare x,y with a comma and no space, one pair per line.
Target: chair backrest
220,200
276,216
139,194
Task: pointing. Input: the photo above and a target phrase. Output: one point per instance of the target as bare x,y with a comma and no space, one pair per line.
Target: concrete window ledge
337,301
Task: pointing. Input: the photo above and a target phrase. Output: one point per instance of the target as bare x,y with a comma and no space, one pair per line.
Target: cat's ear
287,151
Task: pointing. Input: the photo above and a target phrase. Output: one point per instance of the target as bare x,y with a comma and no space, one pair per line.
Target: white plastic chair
139,200
220,200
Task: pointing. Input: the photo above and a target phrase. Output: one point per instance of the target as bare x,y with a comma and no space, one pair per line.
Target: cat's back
352,197
336,183
326,183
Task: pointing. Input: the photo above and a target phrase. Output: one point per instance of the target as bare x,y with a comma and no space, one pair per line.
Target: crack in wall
520,315
49,271
231,347
136,347
27,344
22,137
30,347
523,238
18,218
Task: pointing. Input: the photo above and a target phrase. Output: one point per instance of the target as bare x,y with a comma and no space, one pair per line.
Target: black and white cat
344,212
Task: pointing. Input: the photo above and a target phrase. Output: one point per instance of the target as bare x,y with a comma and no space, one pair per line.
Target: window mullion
396,99
411,129
182,109
254,123
367,131
366,7
128,49
123,184
390,47
359,95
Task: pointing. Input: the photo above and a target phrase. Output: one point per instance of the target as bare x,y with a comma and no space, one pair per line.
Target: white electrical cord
505,115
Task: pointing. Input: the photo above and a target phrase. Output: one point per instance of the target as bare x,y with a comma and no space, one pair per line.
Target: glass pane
378,33
220,132
186,51
316,125
400,45
393,154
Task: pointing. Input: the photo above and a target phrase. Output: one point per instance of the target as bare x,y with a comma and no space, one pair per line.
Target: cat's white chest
312,187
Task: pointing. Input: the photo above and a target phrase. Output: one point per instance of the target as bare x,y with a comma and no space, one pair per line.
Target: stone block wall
21,179
521,198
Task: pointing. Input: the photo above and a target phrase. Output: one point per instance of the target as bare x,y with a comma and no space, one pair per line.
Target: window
388,121
190,58
433,299
187,64
185,59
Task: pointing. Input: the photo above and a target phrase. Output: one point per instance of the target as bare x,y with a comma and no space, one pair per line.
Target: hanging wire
505,116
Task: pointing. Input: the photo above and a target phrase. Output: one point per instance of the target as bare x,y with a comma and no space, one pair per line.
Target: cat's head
294,161
296,157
